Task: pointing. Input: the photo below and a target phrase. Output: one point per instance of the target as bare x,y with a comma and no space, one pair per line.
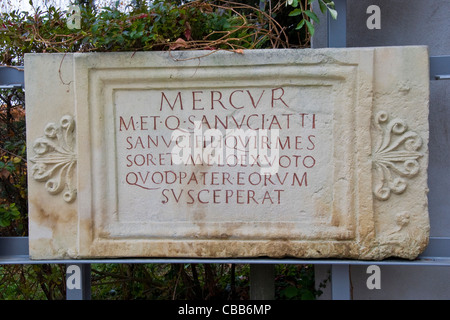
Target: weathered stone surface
138,154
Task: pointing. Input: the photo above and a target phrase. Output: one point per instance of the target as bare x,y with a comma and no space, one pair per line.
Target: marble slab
314,153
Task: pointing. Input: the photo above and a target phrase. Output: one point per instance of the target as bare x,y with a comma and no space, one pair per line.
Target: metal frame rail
14,250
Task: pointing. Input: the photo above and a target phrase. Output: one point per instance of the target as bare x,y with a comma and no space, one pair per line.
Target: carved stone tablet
280,153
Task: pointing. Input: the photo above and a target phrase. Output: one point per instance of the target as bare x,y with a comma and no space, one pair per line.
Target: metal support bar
78,281
11,77
262,282
337,29
438,247
440,68
14,250
340,282
14,247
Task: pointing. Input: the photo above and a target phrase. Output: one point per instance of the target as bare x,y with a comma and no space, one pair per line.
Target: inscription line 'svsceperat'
277,153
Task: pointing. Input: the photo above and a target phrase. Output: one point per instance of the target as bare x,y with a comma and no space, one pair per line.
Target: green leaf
95,28
295,12
141,27
120,39
322,6
312,15
4,223
300,24
307,295
310,28
290,292
333,13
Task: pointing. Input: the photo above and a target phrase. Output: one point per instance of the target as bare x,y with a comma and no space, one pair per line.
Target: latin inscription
244,146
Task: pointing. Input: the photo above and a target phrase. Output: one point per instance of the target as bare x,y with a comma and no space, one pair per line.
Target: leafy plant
296,282
13,184
161,25
32,282
170,281
8,212
305,11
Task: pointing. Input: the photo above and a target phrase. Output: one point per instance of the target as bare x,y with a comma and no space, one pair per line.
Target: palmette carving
55,160
395,159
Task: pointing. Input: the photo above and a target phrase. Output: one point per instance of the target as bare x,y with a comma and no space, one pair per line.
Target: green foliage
8,212
155,282
162,25
170,281
196,281
296,282
32,282
13,166
307,15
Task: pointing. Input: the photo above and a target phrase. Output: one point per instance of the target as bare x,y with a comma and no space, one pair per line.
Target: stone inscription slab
278,153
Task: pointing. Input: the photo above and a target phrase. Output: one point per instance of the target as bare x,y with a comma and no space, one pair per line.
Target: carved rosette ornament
396,157
55,159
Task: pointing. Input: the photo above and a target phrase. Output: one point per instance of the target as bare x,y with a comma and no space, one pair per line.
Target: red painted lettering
279,97
231,97
130,124
171,106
